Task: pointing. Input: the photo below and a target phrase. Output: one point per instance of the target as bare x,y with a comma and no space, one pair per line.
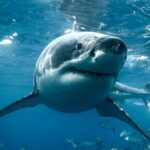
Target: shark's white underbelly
73,94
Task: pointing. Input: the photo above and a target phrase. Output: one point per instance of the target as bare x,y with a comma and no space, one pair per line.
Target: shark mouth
89,73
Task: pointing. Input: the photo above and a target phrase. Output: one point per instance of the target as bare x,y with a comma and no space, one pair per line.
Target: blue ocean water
26,27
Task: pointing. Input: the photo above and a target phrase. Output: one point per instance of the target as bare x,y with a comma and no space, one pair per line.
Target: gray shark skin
78,72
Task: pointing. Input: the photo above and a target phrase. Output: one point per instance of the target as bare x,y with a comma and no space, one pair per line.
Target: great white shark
77,72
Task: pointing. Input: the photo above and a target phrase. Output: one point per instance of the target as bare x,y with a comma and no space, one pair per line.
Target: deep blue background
28,26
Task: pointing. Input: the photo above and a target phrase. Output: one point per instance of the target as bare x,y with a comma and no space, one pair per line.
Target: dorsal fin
28,101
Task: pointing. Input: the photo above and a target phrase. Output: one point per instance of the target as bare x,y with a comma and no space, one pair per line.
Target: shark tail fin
110,108
28,101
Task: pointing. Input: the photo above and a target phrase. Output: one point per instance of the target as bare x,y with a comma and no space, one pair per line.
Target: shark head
80,65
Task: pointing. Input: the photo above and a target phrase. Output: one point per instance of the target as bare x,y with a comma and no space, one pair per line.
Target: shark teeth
88,73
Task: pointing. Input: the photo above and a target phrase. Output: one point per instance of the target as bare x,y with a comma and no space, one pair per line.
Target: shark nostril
92,53
79,46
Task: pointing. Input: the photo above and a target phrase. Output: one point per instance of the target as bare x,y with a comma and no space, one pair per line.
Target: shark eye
79,46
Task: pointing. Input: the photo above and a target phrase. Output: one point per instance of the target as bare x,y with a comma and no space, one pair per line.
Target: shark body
78,72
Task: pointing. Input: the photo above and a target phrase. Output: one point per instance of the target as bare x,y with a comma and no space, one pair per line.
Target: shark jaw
90,74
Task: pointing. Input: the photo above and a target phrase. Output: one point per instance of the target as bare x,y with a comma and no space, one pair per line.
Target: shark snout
109,45
108,54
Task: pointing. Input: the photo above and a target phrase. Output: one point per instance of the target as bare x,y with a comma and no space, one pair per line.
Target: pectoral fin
28,101
109,108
